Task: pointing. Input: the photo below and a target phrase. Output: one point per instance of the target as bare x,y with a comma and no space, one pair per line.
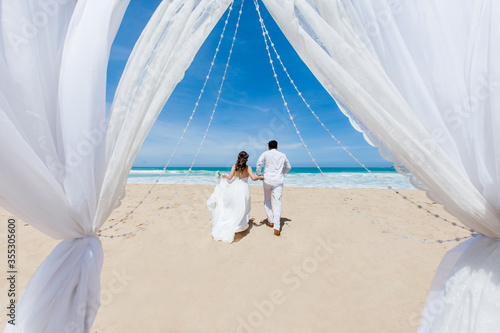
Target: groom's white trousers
272,203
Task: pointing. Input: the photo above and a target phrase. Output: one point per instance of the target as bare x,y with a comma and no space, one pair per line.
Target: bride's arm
231,175
254,177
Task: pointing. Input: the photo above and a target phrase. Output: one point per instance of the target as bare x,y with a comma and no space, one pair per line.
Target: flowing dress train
230,208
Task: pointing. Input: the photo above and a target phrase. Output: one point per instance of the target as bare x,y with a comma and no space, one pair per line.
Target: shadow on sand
251,223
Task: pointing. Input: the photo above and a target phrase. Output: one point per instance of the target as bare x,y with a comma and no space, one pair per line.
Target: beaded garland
267,39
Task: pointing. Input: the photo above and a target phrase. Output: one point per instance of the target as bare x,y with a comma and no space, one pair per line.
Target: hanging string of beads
291,118
266,36
340,143
100,234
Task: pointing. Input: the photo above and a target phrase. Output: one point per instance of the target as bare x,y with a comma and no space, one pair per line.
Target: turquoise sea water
297,177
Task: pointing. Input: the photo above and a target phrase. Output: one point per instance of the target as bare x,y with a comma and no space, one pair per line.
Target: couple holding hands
230,201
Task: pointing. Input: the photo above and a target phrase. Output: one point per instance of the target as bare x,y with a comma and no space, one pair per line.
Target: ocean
297,177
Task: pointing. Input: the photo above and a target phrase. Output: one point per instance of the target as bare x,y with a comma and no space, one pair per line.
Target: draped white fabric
421,80
62,167
51,105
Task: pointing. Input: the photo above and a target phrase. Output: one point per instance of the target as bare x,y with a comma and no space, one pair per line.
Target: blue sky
250,111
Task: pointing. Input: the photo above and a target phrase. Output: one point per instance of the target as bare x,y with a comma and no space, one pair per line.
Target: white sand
331,270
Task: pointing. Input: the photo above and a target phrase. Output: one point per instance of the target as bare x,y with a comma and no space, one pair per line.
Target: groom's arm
258,168
288,166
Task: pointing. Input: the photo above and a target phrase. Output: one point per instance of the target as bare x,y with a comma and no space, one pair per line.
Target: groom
275,166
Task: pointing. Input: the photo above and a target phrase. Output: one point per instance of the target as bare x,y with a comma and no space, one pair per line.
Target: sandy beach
331,270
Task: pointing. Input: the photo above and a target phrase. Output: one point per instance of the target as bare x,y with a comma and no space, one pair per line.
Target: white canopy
419,78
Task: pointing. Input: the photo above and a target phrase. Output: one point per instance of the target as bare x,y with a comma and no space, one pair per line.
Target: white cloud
246,105
290,146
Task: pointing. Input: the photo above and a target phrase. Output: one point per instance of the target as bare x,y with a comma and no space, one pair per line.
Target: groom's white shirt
275,166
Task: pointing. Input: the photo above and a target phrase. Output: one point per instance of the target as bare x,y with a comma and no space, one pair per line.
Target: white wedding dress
230,208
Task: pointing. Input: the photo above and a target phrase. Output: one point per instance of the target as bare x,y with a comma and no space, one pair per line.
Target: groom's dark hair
273,144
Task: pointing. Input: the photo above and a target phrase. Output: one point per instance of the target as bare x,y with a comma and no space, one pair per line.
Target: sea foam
310,178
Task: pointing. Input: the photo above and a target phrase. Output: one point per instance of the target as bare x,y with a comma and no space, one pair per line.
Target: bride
230,202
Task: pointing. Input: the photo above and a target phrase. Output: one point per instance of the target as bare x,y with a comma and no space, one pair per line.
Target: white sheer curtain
62,167
53,69
421,80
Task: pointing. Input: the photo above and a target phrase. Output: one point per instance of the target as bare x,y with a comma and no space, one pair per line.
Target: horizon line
298,166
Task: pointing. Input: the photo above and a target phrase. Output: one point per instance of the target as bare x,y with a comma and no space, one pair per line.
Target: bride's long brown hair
241,163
